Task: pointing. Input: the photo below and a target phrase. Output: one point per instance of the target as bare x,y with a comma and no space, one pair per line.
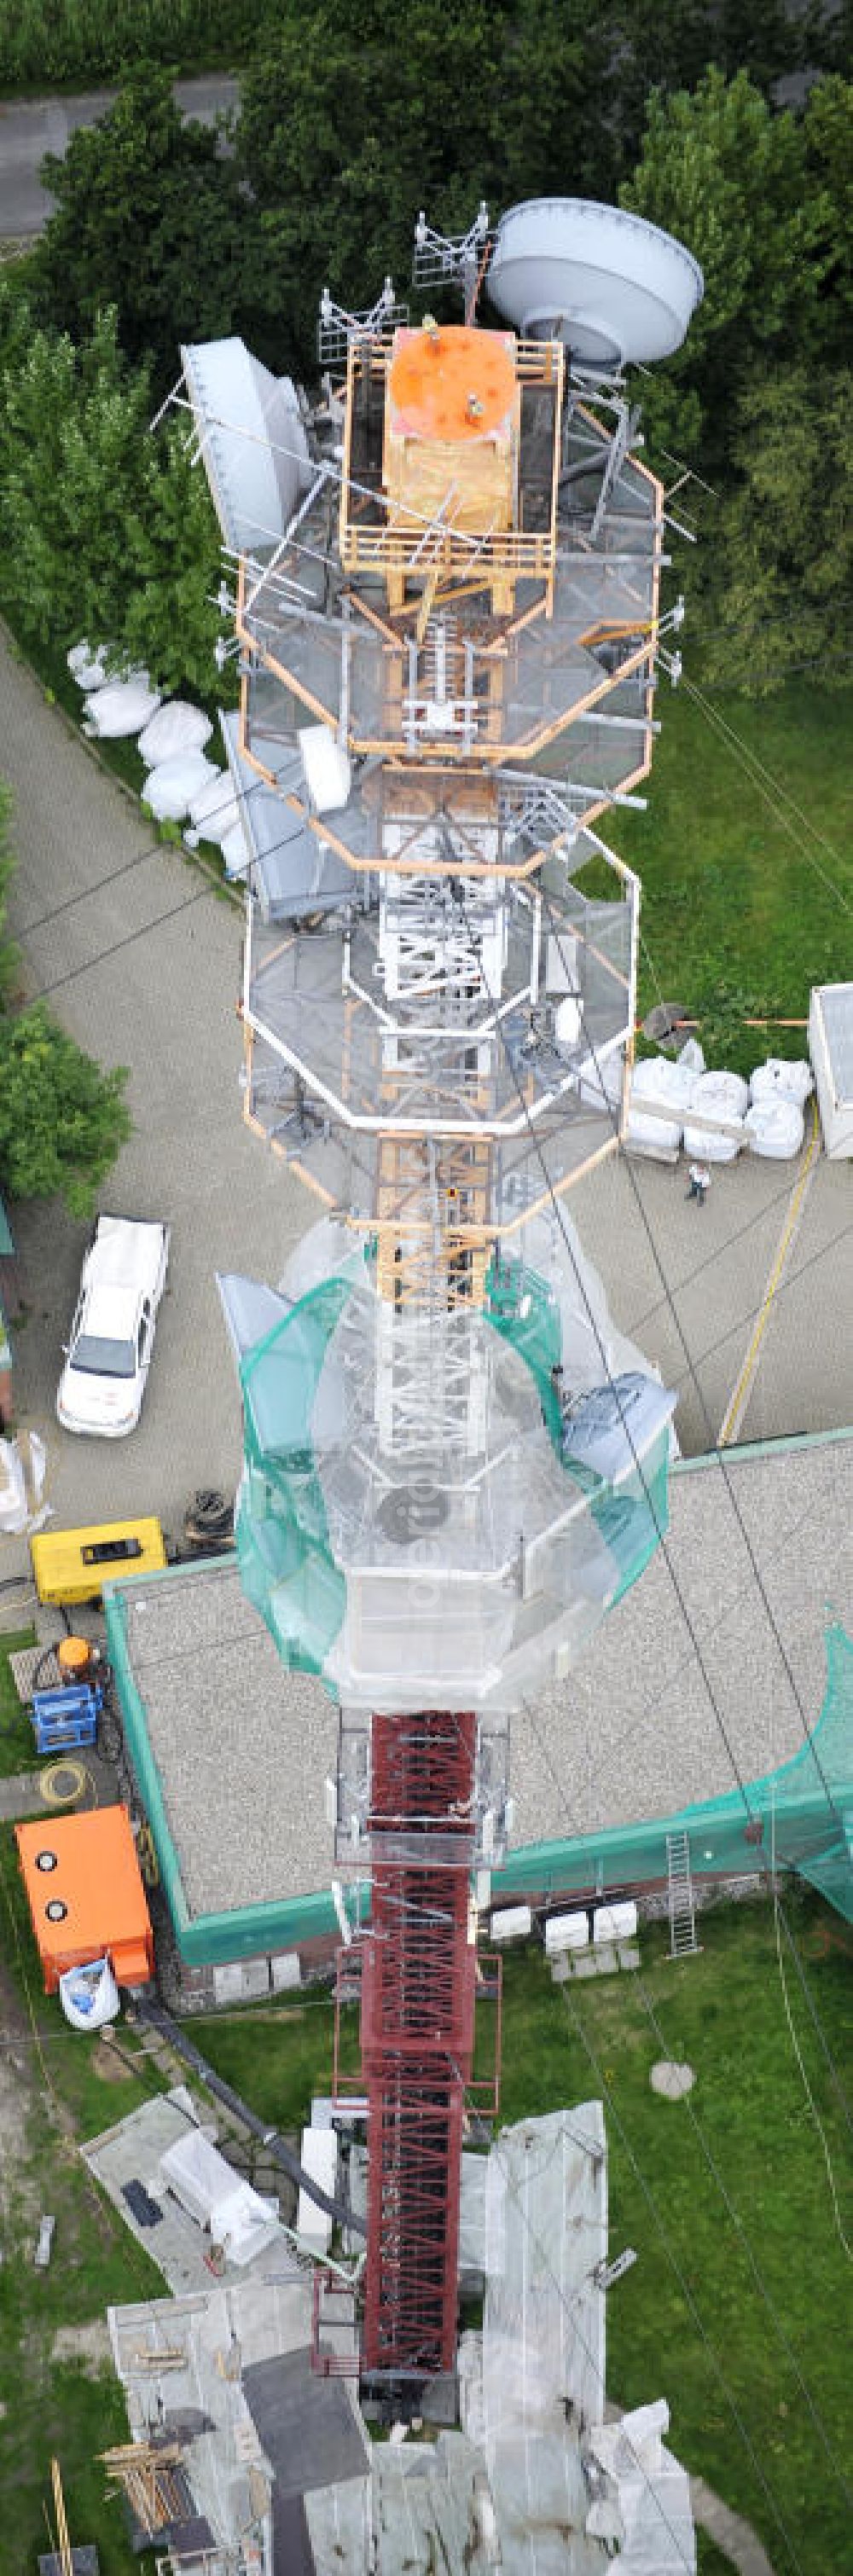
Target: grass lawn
746,900
52,2096
692,2301
17,1742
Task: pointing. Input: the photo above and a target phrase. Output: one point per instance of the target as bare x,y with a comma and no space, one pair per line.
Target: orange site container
86,1896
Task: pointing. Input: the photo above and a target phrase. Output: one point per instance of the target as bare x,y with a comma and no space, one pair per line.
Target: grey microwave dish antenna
251,437
614,288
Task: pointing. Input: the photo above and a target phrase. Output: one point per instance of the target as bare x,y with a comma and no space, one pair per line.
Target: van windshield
101,1357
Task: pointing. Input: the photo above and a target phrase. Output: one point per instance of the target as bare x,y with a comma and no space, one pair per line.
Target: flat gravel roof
243,1747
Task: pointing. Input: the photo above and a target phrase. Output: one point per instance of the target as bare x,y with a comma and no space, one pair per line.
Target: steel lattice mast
449,624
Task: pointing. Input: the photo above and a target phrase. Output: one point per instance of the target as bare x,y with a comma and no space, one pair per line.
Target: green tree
668,45
152,217
785,534
62,1120
348,126
105,530
732,181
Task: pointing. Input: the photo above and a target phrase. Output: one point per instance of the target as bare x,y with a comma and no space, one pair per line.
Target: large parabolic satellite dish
612,287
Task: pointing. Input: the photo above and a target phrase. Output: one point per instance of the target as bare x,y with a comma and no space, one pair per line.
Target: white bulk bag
653,1135
170,787
214,808
656,1077
122,706
671,1086
89,1996
690,1056
775,1128
709,1145
86,666
720,1095
176,728
780,1081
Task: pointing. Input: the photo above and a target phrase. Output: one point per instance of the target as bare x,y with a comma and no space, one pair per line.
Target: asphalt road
31,127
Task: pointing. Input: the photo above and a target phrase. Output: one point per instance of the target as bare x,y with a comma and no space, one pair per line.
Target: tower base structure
417,2035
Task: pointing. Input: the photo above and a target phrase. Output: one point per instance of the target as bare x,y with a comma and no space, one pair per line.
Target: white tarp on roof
533,2384
233,2215
643,2501
542,2347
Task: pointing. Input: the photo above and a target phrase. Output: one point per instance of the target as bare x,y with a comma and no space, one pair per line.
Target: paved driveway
142,965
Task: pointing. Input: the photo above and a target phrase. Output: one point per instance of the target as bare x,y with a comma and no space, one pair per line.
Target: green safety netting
522,1310
798,1817
286,1564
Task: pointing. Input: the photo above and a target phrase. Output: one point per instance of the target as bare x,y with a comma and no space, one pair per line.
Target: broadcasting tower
447,603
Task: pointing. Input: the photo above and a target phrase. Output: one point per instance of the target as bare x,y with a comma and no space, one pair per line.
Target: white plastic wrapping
214,807
175,729
13,1490
86,665
775,1128
169,787
121,706
89,1995
776,1080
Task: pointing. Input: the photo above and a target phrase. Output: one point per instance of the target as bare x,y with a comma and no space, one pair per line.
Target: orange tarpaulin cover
85,1894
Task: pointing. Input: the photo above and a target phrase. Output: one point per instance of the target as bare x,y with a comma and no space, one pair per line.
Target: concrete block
628,1954
241,1981
511,1923
605,1962
566,1932
285,1970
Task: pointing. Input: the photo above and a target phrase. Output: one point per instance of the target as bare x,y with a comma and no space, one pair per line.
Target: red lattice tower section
417,2034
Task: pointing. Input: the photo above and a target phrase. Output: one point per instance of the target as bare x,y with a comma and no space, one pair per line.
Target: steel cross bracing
417,2034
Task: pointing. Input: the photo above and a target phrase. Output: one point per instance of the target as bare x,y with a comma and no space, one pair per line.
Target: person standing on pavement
700,1182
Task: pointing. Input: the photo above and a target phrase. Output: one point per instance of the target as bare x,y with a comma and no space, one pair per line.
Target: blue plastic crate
67,1717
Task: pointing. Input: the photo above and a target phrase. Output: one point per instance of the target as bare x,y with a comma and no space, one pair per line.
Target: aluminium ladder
682,1911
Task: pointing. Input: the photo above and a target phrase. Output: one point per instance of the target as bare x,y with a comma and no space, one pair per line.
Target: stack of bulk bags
723,1096
778,1093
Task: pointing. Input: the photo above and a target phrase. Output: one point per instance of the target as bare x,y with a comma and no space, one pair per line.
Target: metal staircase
682,1911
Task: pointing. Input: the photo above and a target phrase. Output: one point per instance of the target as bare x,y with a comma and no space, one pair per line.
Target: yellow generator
74,1565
